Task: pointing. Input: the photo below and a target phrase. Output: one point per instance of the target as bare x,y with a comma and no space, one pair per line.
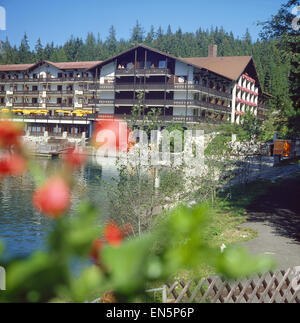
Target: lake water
22,229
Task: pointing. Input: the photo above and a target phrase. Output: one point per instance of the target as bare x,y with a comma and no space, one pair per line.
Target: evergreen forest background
276,55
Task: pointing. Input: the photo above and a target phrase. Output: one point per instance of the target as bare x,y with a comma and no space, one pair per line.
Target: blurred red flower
12,165
97,246
75,157
113,234
112,133
10,134
53,198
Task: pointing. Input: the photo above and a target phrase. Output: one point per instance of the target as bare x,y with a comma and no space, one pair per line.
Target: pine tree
280,28
25,55
39,51
137,35
90,48
111,42
150,36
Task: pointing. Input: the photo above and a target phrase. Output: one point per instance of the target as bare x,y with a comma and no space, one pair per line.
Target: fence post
2,279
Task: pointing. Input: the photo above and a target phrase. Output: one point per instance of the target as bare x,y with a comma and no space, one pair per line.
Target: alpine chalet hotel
64,99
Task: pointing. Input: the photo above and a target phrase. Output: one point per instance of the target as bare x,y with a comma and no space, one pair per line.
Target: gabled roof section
15,67
133,48
68,65
229,66
74,65
60,66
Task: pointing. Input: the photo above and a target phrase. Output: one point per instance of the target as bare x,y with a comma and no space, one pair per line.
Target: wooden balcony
26,105
37,117
59,105
143,71
102,87
162,118
49,80
159,87
162,103
29,93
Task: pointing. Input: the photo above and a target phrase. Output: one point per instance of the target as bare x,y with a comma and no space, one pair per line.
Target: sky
57,20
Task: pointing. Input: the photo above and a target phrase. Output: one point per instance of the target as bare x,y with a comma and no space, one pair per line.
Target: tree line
276,55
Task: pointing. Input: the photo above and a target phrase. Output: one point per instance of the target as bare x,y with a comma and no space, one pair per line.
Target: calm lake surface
22,229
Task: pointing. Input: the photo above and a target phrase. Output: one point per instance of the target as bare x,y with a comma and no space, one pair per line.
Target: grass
224,228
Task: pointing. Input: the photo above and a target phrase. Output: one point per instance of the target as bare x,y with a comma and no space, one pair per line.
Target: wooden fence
273,287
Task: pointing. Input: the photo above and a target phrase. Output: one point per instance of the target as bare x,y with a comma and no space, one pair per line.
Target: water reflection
22,229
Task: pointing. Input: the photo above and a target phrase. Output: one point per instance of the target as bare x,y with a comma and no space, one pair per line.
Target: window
162,64
129,66
196,112
182,79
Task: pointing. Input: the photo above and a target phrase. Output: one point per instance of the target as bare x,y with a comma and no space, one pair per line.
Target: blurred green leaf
236,262
88,285
127,264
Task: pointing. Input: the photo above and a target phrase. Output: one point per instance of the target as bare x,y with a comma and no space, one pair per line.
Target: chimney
212,50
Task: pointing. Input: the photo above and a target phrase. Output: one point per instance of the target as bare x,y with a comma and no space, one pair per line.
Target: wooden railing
160,87
56,117
47,80
161,103
163,118
143,71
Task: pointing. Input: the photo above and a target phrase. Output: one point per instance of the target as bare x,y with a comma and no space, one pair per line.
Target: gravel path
276,217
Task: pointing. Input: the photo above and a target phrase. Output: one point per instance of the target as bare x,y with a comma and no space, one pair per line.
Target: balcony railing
36,117
163,118
91,117
105,86
159,87
51,79
172,87
143,71
59,105
27,92
25,104
161,103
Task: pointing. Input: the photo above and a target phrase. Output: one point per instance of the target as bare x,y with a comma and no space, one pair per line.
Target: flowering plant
119,262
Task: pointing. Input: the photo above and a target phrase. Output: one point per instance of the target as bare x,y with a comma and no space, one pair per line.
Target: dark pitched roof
229,66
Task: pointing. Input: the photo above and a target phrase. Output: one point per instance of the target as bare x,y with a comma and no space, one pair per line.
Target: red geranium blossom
53,198
113,234
12,165
10,134
74,157
97,246
114,134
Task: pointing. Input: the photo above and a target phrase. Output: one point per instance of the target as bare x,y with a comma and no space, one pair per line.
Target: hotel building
65,99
